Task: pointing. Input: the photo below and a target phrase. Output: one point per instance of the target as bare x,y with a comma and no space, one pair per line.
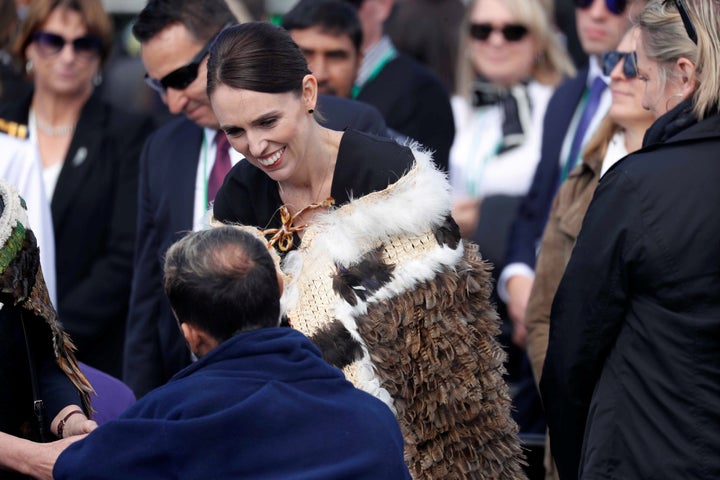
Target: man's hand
518,288
42,456
29,458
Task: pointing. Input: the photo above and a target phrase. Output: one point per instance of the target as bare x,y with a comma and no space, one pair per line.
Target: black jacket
631,382
414,103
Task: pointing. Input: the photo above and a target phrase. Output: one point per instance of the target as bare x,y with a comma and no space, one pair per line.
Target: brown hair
598,143
92,12
256,56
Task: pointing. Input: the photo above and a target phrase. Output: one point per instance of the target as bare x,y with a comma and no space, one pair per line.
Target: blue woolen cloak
261,405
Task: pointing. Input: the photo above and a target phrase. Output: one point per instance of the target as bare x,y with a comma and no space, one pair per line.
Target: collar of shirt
595,70
373,56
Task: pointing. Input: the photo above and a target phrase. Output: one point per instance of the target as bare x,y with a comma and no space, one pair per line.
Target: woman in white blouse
513,61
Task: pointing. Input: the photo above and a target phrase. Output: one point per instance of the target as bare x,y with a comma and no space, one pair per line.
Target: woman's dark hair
256,56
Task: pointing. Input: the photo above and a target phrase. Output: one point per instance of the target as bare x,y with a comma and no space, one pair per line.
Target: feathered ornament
390,293
22,284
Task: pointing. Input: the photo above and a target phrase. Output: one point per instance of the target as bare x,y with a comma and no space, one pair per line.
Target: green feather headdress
22,284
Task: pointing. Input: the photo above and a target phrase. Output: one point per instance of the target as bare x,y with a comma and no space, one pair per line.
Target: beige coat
564,222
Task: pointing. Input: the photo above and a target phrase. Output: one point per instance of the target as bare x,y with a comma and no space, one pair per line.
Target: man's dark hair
222,281
334,17
203,18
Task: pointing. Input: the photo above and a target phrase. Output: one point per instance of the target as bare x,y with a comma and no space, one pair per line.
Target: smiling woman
381,281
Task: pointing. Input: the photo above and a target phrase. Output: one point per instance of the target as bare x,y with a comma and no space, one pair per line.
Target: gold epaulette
13,129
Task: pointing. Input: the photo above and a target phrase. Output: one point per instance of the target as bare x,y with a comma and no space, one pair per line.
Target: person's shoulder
414,74
573,82
410,65
341,113
121,118
180,125
18,156
13,129
169,132
365,156
332,103
373,146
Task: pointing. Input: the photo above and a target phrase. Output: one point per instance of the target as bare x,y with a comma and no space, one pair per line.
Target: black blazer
529,223
155,349
93,212
415,103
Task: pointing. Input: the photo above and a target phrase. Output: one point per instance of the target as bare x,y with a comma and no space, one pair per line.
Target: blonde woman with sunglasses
511,63
89,154
630,381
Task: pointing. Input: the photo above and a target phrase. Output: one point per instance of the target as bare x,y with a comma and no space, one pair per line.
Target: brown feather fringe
39,305
452,402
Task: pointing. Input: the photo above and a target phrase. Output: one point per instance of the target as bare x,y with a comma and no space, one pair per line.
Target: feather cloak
391,294
22,283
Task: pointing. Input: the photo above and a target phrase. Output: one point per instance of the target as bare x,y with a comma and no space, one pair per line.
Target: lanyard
571,162
384,60
474,177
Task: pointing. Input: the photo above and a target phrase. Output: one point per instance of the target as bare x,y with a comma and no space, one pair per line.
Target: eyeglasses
689,28
51,44
180,78
612,58
511,33
615,7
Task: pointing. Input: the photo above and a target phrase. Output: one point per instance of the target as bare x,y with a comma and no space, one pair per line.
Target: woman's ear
688,83
309,92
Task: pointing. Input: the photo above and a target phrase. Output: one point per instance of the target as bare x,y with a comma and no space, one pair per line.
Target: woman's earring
29,66
311,111
97,79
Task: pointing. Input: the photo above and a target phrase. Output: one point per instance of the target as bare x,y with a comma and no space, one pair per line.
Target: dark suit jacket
155,349
532,214
94,207
414,103
341,113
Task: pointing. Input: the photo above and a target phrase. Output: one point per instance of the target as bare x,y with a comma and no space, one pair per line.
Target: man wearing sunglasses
574,111
177,174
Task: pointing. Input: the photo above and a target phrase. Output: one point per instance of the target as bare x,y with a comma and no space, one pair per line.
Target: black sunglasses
180,78
615,7
511,33
51,44
612,58
689,28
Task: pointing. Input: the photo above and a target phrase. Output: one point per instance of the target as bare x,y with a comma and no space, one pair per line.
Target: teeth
266,162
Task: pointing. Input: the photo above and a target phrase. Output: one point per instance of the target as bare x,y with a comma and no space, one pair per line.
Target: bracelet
61,424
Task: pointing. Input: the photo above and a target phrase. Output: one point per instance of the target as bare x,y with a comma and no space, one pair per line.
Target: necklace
283,237
52,130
